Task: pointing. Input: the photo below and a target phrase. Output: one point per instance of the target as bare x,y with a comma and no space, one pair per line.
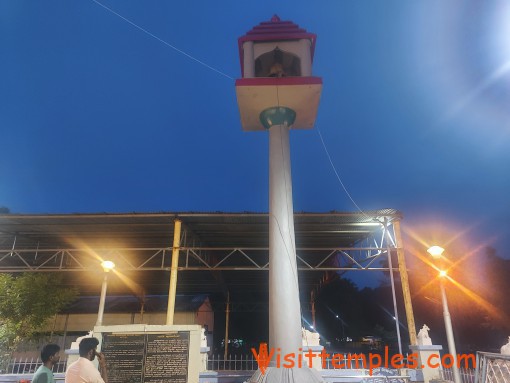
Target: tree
27,302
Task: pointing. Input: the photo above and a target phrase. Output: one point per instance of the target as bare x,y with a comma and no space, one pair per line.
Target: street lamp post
107,266
436,252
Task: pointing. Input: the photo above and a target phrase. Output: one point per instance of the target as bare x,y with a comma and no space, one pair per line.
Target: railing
30,365
232,363
467,375
492,368
349,361
249,363
215,363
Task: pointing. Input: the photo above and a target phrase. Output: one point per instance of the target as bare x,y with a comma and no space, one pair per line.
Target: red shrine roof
275,29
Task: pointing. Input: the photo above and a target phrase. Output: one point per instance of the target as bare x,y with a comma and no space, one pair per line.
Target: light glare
107,265
435,251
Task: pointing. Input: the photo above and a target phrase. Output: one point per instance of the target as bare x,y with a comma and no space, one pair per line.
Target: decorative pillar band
277,115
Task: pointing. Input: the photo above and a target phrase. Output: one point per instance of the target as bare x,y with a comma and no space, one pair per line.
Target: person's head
88,348
50,353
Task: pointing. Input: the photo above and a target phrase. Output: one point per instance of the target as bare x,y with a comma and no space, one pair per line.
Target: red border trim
275,30
261,81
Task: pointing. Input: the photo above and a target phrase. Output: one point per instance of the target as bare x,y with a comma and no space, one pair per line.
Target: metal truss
362,256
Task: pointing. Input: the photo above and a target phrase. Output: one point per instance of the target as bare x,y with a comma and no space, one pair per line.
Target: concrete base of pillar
316,360
204,357
208,377
287,375
424,357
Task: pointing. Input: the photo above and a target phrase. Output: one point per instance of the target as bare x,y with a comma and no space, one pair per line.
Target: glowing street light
107,266
436,252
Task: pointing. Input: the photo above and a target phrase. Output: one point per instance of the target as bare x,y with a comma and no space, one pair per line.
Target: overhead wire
338,175
231,78
288,251
163,41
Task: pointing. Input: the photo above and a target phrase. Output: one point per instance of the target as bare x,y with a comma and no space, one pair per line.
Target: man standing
50,355
83,370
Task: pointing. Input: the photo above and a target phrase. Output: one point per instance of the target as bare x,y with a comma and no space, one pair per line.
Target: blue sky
97,115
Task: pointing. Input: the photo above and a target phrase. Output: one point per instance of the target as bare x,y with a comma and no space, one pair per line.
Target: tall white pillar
284,306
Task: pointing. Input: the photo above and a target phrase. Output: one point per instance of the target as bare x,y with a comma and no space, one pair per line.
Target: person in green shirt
50,355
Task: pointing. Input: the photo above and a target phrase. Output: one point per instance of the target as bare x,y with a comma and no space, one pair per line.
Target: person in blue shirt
50,355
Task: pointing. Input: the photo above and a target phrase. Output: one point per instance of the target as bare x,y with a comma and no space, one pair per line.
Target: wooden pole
173,273
404,278
227,317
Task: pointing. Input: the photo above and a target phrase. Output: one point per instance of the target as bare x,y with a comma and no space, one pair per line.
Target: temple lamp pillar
277,93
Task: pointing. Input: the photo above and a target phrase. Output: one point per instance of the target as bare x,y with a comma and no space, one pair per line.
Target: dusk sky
133,109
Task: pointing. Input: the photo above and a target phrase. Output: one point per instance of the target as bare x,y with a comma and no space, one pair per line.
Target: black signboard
124,357
167,356
147,358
